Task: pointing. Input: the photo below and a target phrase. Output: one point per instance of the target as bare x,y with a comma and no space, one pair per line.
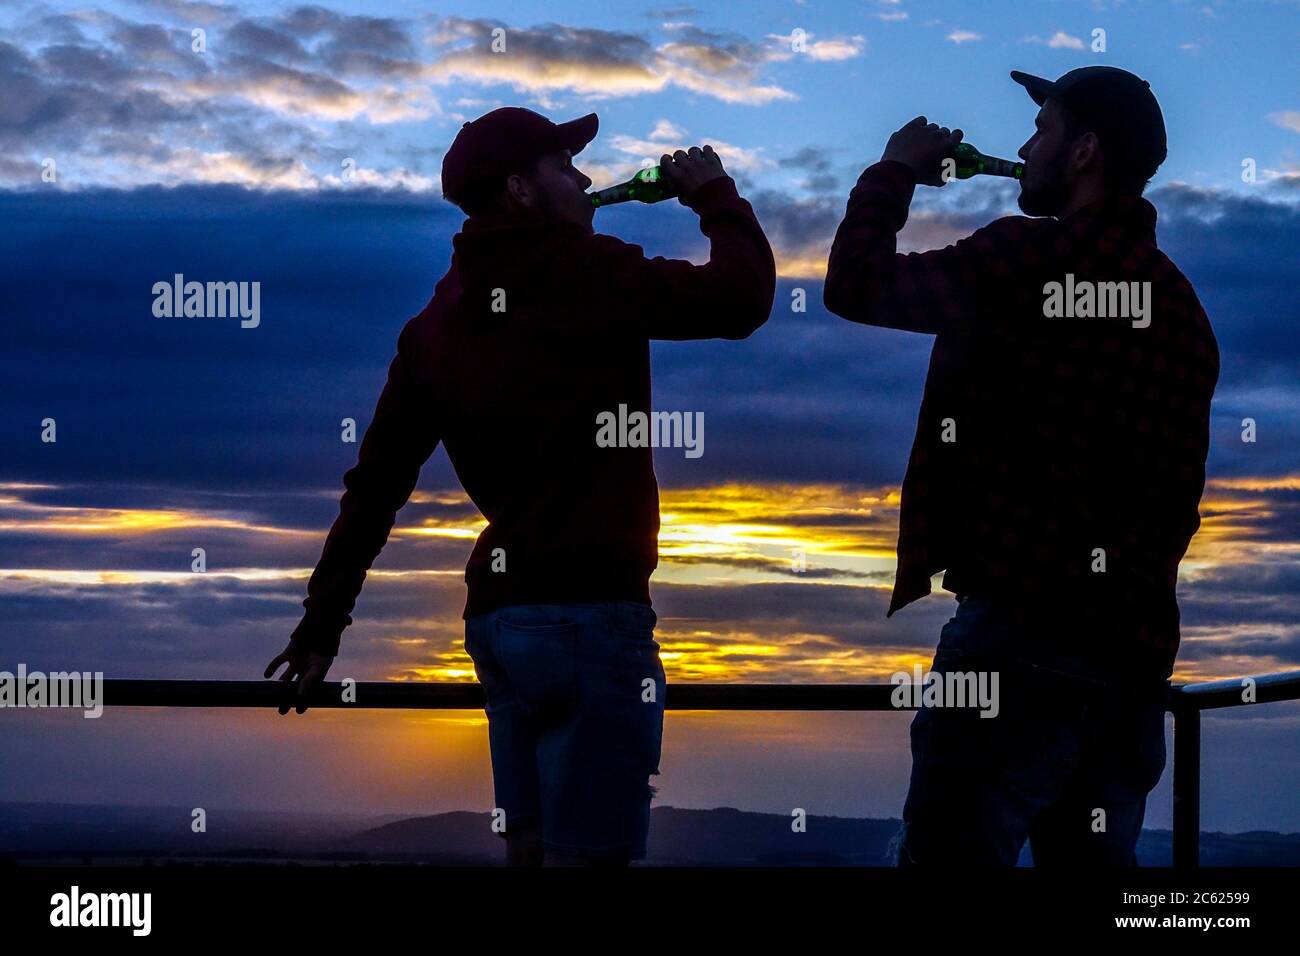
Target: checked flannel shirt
1069,441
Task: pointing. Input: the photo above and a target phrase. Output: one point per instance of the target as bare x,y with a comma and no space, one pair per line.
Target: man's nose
1023,152
584,181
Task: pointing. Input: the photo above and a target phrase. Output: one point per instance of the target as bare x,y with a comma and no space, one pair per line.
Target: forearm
402,435
741,285
862,272
355,540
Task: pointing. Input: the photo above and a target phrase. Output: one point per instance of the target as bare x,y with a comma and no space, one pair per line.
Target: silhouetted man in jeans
539,328
1058,463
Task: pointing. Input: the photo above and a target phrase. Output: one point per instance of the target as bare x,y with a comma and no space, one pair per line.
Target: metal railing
1186,701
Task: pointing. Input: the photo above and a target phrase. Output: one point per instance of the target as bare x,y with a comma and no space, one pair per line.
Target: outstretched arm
402,435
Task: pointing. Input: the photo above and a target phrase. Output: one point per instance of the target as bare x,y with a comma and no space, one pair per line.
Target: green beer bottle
645,186
971,162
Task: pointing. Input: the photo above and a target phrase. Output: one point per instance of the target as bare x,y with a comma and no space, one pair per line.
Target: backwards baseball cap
1113,103
498,143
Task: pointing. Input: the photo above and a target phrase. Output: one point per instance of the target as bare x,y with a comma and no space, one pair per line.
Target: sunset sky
182,433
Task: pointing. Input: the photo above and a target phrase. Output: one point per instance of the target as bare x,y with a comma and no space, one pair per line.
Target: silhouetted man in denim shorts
539,328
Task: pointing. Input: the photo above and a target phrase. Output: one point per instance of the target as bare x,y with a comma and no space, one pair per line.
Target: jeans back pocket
541,663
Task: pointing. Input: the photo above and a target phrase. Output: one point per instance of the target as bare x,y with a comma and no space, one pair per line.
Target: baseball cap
498,143
1113,103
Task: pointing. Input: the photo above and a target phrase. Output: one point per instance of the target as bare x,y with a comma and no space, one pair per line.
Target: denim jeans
1066,764
575,708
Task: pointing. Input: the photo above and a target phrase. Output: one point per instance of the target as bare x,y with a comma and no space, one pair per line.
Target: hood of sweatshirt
524,258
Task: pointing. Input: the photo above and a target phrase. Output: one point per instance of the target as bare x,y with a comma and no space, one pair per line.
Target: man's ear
520,192
1085,153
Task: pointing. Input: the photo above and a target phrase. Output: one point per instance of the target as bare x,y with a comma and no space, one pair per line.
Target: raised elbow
745,302
753,313
840,298
833,294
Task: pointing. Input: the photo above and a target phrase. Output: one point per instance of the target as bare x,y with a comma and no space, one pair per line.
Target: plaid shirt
1045,445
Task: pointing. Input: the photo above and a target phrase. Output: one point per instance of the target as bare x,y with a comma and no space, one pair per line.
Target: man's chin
1039,202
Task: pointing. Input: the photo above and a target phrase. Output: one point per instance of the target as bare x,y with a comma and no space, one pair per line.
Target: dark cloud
53,100
192,11
716,52
119,100
554,56
347,45
816,163
154,44
550,42
795,223
830,400
122,101
50,28
252,38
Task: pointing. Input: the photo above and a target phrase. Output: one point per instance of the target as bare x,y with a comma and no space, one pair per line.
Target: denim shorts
575,708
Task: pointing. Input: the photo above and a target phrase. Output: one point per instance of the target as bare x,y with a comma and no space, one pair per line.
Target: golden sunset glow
433,531
1236,516
18,514
799,264
716,537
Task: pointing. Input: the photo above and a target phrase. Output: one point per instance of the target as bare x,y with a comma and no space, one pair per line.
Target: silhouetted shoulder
605,248
594,261
1174,295
1022,228
1013,247
1018,240
423,336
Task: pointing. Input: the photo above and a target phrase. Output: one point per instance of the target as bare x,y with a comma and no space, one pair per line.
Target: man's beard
1050,197
551,211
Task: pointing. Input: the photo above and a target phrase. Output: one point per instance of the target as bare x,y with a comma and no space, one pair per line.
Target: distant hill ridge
678,836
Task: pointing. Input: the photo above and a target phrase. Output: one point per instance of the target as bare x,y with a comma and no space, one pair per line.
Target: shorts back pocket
541,663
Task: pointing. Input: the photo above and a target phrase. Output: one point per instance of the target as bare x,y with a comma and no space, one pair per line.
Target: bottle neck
613,194
993,166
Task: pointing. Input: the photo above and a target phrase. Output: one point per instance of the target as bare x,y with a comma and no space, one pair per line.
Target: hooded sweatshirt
536,330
